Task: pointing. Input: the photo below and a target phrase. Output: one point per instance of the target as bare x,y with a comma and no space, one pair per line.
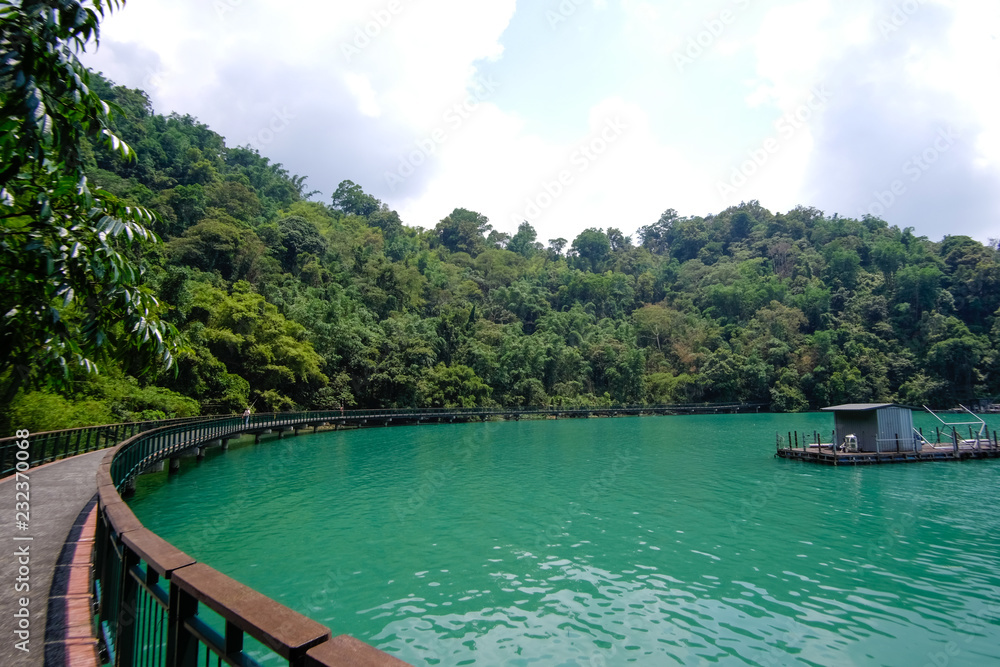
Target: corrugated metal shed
879,427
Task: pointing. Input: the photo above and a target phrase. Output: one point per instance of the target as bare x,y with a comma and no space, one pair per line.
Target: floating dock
828,454
875,433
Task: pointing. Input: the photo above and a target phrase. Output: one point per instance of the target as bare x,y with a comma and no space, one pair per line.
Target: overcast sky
595,113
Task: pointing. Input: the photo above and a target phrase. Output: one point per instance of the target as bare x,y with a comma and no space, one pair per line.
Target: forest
266,296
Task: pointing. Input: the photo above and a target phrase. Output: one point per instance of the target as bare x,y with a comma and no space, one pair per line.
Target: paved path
62,495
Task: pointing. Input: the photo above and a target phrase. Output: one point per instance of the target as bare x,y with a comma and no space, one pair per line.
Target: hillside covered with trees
292,303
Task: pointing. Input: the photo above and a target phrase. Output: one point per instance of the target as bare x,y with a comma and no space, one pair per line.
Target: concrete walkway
62,497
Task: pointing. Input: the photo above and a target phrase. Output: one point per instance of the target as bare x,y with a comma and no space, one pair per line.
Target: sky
573,114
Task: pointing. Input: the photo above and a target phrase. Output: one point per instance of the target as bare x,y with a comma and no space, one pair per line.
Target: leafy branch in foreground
72,293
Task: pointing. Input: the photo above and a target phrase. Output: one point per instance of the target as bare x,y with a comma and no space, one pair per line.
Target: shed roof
861,407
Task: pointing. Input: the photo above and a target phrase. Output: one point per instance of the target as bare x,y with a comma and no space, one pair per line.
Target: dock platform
828,455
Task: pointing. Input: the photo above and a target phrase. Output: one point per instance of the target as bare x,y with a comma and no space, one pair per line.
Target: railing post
127,609
182,646
104,566
234,639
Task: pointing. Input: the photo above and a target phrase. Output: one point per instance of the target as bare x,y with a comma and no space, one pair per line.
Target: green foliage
71,292
41,411
463,231
593,249
452,387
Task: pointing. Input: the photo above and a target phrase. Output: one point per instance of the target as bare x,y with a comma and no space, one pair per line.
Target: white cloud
362,89
365,84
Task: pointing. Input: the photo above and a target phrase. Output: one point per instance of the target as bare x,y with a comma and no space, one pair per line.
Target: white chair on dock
850,444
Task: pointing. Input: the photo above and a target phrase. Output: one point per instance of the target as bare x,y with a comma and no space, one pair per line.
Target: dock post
954,441
797,439
938,429
897,442
789,439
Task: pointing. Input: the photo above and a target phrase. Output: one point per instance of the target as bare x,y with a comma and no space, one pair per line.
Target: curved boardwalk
61,528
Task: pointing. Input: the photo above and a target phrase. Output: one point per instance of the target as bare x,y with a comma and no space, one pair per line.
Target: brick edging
73,644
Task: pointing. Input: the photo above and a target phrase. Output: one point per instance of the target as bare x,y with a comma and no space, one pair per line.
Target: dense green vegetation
72,294
288,302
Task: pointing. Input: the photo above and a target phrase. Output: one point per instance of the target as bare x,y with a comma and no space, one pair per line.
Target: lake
598,542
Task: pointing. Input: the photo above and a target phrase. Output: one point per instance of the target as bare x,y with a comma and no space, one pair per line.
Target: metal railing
55,445
159,606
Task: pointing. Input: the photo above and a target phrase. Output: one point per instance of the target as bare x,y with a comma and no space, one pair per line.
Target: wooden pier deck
827,455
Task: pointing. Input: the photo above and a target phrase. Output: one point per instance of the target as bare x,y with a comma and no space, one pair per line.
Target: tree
451,387
213,245
919,287
523,243
71,292
593,247
258,343
350,198
463,231
655,237
653,324
618,240
299,236
740,225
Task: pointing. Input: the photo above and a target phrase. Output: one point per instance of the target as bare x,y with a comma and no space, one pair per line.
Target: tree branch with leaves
72,296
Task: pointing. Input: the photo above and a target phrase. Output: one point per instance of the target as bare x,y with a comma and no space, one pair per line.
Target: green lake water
628,541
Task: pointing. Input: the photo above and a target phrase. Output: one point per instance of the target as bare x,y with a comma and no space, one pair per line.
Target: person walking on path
246,417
